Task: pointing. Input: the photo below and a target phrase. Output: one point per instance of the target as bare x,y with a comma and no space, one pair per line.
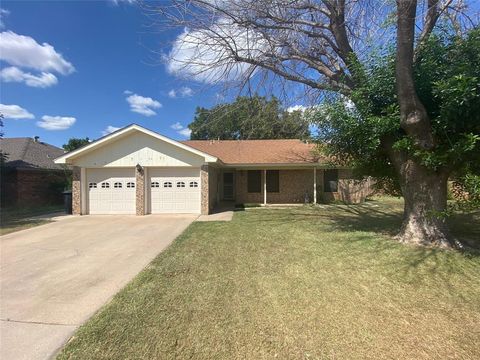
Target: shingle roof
26,153
250,152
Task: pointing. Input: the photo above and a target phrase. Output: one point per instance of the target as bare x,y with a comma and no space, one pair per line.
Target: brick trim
205,196
140,190
76,191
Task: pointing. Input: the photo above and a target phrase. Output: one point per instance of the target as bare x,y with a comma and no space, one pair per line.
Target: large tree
75,143
253,117
325,45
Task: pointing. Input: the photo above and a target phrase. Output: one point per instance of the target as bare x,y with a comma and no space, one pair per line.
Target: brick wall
76,191
34,187
296,184
140,191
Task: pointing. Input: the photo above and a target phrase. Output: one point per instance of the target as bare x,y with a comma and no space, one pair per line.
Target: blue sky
108,71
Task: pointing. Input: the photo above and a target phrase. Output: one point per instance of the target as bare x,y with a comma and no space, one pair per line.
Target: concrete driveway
55,276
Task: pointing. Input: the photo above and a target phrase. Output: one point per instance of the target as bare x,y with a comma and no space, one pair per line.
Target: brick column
76,191
205,206
140,190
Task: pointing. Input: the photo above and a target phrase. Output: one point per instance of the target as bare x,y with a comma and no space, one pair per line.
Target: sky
85,68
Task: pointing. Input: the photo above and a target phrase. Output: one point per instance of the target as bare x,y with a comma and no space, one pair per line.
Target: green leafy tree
249,118
364,131
75,143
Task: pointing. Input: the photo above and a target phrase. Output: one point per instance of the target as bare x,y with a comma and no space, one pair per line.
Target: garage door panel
174,190
113,193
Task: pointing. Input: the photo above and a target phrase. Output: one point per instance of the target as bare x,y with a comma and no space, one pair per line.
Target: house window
254,181
193,184
155,184
92,185
117,185
273,181
180,184
330,180
130,184
105,185
167,184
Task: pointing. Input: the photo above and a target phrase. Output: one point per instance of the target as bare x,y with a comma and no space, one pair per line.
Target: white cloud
185,132
116,2
177,126
204,56
24,51
127,92
180,129
109,129
143,105
14,74
184,91
3,13
15,112
56,122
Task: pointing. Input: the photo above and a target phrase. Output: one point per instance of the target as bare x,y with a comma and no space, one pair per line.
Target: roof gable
124,134
27,153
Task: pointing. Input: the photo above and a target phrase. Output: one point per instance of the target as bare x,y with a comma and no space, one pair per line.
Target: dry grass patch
299,283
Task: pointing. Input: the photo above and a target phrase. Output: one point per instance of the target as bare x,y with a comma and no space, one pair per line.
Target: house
30,176
138,171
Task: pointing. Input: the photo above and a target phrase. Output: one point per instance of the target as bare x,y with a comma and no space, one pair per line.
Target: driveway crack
38,322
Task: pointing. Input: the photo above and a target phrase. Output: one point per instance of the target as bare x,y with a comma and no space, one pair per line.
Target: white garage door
111,191
174,190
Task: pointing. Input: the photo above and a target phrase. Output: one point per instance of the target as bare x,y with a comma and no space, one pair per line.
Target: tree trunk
425,196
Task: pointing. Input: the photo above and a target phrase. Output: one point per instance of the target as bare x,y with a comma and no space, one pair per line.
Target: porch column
264,187
76,191
314,185
139,190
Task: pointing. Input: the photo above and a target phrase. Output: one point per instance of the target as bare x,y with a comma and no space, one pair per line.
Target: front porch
281,185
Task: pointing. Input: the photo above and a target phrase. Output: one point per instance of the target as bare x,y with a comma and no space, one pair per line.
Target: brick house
138,171
30,176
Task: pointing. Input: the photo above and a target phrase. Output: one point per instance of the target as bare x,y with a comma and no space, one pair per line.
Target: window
155,184
117,185
180,184
193,184
273,181
130,184
92,185
105,185
254,181
330,180
167,184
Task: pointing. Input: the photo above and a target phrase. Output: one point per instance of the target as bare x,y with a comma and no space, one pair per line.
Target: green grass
297,283
19,218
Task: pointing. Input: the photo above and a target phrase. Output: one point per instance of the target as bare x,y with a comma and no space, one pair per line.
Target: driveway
55,276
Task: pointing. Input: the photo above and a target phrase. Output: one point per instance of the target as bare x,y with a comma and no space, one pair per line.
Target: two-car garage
138,171
167,190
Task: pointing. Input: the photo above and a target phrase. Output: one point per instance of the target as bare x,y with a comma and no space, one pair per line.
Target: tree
75,143
325,46
447,78
249,118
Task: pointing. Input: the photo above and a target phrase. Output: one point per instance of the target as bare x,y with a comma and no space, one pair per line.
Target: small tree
75,143
249,118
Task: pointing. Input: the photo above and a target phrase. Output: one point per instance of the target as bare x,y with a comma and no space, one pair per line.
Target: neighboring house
138,171
30,176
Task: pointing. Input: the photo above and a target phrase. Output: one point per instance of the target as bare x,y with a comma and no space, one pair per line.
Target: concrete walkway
55,276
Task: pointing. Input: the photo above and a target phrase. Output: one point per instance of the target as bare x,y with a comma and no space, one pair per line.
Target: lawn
296,283
20,218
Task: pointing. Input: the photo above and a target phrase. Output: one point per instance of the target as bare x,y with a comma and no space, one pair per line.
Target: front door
228,186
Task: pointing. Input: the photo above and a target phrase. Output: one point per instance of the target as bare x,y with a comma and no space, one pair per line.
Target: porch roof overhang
291,166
